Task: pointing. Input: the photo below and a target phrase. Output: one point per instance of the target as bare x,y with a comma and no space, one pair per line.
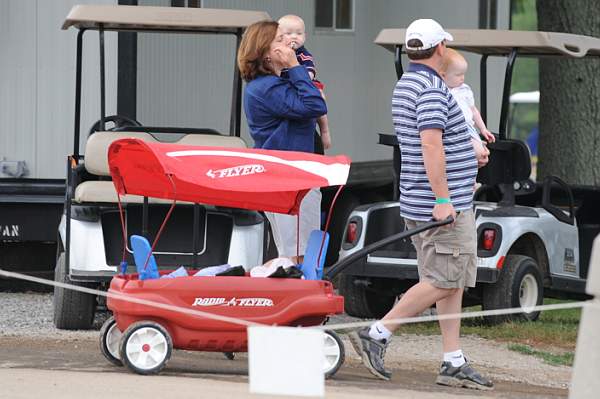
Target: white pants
284,227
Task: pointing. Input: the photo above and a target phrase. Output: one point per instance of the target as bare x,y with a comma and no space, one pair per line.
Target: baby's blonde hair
290,18
451,57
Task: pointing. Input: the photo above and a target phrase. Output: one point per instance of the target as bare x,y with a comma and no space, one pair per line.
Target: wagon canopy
502,42
267,180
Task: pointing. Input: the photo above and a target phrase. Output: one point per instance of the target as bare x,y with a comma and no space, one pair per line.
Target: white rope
128,298
340,326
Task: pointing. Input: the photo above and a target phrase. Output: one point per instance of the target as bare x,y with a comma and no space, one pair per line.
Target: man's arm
434,159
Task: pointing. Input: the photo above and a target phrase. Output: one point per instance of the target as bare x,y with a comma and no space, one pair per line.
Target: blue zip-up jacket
282,112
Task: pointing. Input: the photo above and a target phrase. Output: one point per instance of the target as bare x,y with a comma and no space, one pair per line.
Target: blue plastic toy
312,267
141,249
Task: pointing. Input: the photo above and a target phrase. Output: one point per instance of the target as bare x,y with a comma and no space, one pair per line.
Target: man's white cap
428,31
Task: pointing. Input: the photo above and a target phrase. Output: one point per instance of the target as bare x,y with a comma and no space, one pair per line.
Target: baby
453,72
294,30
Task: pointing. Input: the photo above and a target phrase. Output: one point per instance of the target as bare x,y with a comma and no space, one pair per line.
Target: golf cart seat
96,163
508,167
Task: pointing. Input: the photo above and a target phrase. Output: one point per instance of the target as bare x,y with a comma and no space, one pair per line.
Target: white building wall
37,80
186,80
180,82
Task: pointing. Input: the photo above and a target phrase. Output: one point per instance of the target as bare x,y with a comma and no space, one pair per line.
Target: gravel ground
30,315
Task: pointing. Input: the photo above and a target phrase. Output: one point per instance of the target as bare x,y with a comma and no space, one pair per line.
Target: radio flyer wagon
142,337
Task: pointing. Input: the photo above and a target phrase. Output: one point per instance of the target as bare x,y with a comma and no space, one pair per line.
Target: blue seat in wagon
141,249
312,267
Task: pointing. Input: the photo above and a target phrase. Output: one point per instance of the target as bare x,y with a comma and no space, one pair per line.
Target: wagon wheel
335,353
146,347
110,336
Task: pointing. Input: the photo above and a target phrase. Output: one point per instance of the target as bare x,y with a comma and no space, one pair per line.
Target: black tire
336,340
361,301
341,211
134,333
110,338
520,284
73,310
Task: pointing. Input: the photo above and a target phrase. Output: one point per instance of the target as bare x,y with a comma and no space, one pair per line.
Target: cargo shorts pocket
453,259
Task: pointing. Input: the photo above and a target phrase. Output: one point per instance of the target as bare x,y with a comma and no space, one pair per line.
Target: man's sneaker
372,352
463,376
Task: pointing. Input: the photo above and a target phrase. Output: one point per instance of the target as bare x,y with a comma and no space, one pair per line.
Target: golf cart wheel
519,285
145,347
73,310
110,337
335,354
362,301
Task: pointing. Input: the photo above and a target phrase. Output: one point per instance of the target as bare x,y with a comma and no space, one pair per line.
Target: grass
552,337
560,359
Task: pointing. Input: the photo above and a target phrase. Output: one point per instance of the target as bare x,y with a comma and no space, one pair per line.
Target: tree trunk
569,140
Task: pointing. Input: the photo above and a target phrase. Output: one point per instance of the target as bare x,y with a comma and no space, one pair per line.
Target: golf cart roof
501,42
143,18
525,97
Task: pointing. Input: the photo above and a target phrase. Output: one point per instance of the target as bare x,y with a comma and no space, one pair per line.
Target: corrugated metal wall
189,81
37,80
186,80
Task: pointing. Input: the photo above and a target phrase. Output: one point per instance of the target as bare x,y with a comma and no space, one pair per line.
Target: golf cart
90,232
533,238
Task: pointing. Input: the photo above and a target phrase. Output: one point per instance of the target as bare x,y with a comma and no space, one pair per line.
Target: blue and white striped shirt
422,101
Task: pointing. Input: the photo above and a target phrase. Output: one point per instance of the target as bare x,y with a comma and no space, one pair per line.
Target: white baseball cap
428,31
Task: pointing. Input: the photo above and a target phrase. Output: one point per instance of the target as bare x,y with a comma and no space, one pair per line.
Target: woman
281,114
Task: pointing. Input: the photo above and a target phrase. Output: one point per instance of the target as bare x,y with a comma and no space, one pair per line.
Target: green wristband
443,201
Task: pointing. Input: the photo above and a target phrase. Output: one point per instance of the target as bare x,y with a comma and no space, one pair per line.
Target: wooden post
585,382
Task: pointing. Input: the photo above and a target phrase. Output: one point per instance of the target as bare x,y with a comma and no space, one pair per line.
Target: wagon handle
338,267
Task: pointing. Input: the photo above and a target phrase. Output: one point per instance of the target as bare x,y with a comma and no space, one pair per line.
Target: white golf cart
90,236
533,239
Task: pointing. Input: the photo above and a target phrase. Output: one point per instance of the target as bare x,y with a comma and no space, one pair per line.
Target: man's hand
483,157
442,211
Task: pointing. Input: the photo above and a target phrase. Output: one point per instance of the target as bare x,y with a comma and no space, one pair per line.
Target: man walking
436,181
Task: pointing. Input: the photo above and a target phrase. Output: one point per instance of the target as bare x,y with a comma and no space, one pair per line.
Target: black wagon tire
146,347
110,339
520,285
335,353
361,301
73,310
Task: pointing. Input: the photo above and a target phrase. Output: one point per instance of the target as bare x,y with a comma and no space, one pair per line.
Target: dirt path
33,351
77,361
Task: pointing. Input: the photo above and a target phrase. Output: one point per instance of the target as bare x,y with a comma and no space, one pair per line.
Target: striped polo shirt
422,101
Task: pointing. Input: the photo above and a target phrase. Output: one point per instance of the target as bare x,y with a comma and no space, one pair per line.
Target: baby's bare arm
480,125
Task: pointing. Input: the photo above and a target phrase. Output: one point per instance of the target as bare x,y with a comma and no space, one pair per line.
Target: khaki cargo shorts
447,256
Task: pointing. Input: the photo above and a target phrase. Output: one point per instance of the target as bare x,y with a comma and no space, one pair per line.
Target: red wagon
214,312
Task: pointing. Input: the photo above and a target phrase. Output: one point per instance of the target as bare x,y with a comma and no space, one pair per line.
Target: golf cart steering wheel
118,120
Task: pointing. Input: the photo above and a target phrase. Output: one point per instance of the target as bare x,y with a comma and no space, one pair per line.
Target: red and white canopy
266,180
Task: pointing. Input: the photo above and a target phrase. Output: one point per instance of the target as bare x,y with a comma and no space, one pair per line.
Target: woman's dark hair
419,54
255,44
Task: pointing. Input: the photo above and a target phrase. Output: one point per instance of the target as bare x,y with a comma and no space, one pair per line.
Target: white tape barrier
129,298
340,326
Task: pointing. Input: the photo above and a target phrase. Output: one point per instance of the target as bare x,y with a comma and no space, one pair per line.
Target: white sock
456,358
379,331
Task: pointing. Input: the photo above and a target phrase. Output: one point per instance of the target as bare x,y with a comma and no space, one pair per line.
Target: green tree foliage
524,117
